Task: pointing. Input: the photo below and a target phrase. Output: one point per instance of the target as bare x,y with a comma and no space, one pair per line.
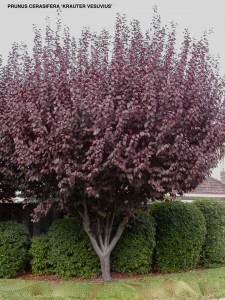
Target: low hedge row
14,244
70,250
213,250
170,237
66,251
133,252
39,253
180,234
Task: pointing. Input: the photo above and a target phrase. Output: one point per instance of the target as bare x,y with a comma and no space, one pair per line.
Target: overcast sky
196,15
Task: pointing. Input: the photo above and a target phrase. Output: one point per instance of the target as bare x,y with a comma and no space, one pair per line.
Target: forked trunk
102,241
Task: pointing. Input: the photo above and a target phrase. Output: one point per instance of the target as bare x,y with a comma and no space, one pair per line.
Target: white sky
196,15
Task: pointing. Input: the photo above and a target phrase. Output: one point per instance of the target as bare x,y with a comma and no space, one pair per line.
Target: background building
213,186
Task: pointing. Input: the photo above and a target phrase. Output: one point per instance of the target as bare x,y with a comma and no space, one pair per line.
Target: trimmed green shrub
14,243
213,250
39,254
133,252
71,252
180,234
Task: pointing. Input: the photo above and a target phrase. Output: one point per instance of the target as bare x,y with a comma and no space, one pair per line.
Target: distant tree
99,126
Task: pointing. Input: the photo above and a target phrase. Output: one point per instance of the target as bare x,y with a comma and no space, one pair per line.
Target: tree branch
100,236
118,234
87,229
106,232
110,227
81,215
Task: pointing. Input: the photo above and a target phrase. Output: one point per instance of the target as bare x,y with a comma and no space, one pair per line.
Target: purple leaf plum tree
99,125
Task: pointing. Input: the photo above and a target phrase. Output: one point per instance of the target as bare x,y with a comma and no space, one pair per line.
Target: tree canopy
102,124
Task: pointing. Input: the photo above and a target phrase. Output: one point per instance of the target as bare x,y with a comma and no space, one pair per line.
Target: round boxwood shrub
14,244
39,255
180,234
71,252
213,250
133,252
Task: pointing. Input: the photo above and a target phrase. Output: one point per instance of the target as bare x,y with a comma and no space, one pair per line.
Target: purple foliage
141,123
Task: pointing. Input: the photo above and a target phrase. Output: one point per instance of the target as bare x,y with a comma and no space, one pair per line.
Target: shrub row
14,244
133,252
170,237
180,234
66,251
213,250
70,251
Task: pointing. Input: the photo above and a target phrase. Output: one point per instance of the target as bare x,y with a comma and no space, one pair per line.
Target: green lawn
201,284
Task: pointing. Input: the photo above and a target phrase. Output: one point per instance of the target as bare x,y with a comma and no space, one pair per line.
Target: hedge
133,252
39,255
71,252
213,251
14,243
180,234
171,237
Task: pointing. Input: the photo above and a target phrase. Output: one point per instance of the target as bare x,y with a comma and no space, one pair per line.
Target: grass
200,284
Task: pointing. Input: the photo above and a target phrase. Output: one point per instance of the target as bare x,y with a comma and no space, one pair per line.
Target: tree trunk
105,267
102,242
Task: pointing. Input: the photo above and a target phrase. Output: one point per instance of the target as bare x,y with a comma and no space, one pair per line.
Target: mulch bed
115,277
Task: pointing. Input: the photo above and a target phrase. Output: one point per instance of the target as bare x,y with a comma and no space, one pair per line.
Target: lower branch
118,234
87,228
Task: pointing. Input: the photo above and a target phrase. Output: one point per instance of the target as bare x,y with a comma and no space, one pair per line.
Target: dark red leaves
127,125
